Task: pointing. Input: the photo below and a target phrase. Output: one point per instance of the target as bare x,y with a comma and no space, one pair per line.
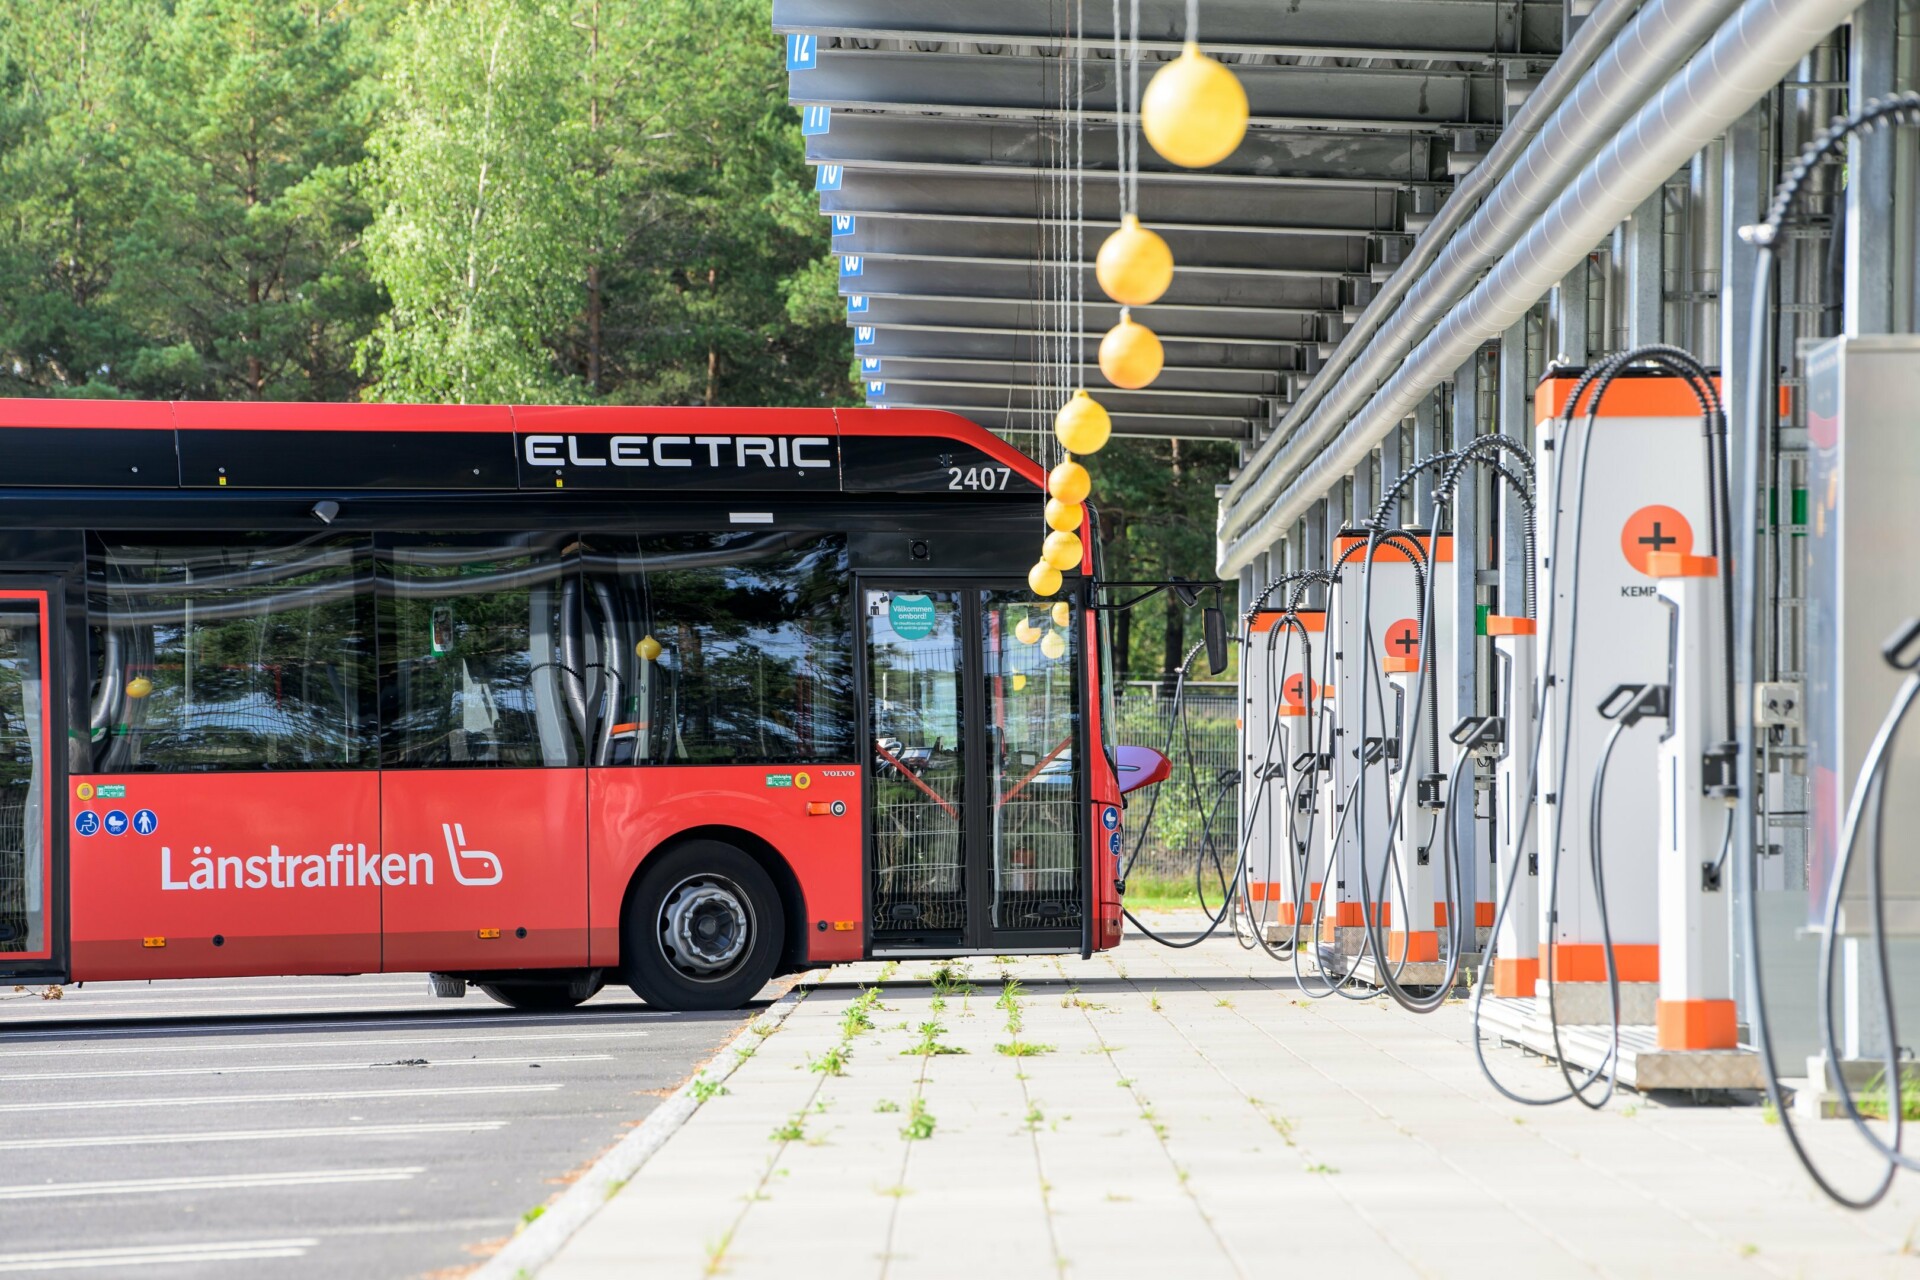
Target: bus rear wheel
704,930
546,995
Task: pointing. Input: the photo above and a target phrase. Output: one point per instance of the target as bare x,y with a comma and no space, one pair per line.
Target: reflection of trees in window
757,648
254,655
470,672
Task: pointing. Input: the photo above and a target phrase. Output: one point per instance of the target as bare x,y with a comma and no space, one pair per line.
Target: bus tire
546,995
704,928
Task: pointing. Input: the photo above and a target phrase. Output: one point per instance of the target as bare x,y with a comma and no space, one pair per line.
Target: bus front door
31,775
975,838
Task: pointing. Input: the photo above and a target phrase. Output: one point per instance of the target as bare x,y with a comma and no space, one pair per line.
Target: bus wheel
704,929
547,995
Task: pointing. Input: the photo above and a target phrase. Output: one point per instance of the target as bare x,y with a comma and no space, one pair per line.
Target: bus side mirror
1213,624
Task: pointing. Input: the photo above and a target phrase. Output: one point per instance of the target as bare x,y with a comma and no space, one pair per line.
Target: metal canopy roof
937,129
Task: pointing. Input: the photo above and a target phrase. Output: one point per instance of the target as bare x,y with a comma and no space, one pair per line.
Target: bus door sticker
87,822
84,791
146,822
1110,818
115,822
779,779
462,859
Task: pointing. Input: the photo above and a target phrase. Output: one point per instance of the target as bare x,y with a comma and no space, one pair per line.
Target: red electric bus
532,698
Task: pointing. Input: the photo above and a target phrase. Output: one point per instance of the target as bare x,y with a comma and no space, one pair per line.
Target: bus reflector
819,807
153,942
489,933
844,926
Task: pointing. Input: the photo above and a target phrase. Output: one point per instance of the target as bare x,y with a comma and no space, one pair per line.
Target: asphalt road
307,1126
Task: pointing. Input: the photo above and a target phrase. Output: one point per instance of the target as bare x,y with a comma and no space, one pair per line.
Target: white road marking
503,1018
156,1255
228,1100
276,1068
222,1043
249,1135
211,1182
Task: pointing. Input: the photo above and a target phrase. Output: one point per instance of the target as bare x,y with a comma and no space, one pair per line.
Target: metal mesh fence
1205,756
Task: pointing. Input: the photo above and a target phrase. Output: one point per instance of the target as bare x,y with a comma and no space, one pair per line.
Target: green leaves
530,200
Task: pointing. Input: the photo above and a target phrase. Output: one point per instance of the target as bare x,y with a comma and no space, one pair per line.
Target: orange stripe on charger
1628,398
1697,1024
1309,619
1415,947
1515,977
1399,666
1672,564
1442,550
1499,625
1583,962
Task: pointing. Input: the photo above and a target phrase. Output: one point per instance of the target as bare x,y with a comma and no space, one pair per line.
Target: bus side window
481,657
752,653
253,653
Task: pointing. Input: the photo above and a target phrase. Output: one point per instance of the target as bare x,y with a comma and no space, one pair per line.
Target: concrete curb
536,1245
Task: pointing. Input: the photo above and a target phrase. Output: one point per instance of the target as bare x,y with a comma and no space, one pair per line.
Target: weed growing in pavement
614,1187
895,1191
938,1004
1034,1118
949,980
1321,1168
532,1215
919,1123
859,1015
1223,1003
928,1045
831,1063
763,1028
886,1104
717,1253
1153,1001
794,1130
887,970
1022,1049
705,1089
1124,1084
1010,1002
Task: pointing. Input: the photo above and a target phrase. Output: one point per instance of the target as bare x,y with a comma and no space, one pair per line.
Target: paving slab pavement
1196,1113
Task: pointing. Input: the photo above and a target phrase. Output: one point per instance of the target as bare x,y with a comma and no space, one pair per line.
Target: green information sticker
779,779
912,617
111,791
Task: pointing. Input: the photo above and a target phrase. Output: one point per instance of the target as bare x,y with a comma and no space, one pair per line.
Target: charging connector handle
1632,703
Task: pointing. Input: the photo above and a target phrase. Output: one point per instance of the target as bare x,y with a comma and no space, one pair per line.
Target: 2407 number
986,479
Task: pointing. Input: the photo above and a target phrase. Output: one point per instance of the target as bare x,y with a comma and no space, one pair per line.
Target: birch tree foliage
480,214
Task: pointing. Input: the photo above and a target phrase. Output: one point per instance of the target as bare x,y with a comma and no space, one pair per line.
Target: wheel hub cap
704,926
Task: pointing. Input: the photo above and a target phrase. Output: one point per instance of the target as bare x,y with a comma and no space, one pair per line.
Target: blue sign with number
856,304
863,335
875,387
146,822
843,224
826,177
869,364
87,822
116,822
1110,818
803,52
815,121
852,264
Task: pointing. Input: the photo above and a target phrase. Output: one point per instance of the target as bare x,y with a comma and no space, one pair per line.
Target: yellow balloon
1025,632
1019,682
1067,516
1082,425
1130,356
1069,482
1055,645
139,687
1044,579
648,648
1062,550
1062,614
1194,111
1134,265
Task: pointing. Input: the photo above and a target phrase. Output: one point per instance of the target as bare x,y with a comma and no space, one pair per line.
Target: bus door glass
916,641
26,860
1027,673
974,713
